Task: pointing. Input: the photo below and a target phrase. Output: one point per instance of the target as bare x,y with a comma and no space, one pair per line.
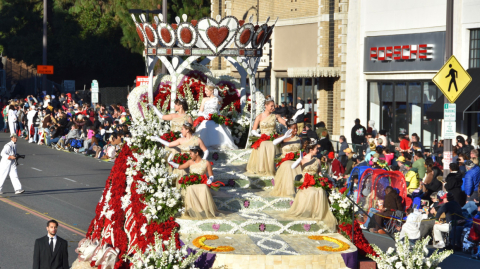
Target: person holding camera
8,165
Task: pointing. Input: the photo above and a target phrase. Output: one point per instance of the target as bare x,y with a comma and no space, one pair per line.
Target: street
59,185
66,187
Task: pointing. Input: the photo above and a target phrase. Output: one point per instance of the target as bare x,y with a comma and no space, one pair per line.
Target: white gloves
297,162
280,139
170,157
210,180
298,113
205,154
159,114
158,139
299,105
174,165
255,133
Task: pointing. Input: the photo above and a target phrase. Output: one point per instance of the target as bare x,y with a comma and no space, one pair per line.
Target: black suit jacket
43,258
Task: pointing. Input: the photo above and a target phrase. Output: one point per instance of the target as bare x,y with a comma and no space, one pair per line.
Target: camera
18,156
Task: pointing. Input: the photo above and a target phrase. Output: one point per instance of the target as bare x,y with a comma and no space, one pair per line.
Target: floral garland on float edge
404,256
135,213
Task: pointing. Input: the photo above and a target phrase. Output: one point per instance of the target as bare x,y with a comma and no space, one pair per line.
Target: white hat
124,113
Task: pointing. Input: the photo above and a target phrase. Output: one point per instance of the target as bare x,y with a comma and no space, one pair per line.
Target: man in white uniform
31,118
8,166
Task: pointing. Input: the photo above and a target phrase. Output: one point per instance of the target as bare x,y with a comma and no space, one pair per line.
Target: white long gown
214,136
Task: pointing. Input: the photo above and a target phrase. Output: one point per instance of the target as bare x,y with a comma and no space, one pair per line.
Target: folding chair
395,222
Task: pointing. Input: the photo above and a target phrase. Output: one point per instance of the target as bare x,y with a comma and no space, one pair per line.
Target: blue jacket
471,180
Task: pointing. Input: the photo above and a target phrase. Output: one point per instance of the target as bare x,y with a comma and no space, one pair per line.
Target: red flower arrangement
359,241
171,136
262,138
221,120
181,158
291,156
192,179
316,181
198,120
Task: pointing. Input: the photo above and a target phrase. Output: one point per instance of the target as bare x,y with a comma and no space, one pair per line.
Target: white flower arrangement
134,101
163,254
409,257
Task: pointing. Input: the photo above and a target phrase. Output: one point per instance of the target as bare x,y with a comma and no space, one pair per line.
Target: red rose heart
166,35
245,36
194,22
139,32
217,34
174,26
186,35
241,22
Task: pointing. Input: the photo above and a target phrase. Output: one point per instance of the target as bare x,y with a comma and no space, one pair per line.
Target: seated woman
182,145
311,202
215,136
177,119
199,203
285,176
261,160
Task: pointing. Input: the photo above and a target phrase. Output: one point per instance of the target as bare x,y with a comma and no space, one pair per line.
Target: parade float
139,221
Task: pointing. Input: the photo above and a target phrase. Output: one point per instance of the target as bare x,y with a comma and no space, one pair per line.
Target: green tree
195,9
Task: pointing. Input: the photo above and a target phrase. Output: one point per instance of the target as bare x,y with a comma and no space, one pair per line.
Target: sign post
95,91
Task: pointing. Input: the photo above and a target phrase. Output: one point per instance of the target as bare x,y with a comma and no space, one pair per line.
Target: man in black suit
50,251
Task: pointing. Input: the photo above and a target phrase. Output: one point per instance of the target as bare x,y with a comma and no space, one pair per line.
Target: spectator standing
454,184
343,145
468,146
12,119
8,166
371,124
5,117
358,136
321,128
404,143
32,113
471,180
51,251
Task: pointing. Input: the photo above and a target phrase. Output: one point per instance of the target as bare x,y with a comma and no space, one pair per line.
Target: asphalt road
59,185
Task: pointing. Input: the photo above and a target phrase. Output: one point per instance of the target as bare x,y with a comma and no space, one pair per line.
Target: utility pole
447,143
164,12
44,60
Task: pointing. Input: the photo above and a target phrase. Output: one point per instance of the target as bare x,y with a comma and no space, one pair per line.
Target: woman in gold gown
261,161
311,202
285,176
177,119
182,145
199,203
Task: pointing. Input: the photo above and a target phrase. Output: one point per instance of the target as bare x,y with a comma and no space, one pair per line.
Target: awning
466,99
308,72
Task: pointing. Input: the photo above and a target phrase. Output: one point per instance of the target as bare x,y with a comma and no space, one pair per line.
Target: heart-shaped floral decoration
259,35
167,34
186,35
217,35
244,35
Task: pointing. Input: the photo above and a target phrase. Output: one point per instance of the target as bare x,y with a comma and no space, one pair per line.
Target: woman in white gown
214,136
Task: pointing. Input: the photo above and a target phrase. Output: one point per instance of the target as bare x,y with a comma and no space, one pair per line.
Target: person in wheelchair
453,213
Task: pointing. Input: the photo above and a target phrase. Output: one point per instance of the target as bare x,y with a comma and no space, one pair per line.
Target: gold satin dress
176,124
199,202
285,176
184,148
262,160
312,202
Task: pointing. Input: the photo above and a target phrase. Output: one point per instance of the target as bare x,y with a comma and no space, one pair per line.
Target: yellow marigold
199,242
341,245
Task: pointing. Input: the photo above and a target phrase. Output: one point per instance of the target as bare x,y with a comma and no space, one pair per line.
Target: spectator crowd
65,122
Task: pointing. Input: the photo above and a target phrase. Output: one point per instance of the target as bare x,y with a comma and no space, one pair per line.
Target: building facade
393,52
305,58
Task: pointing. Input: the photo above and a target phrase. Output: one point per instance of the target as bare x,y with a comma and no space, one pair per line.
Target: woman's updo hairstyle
268,101
182,102
290,123
187,125
197,150
309,145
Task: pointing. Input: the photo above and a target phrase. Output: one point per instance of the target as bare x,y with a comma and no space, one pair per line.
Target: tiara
269,100
313,141
181,99
210,83
187,124
291,122
194,147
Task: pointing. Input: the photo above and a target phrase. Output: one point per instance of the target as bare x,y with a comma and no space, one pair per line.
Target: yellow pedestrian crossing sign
452,79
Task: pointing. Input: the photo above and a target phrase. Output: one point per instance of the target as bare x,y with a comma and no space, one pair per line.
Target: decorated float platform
139,220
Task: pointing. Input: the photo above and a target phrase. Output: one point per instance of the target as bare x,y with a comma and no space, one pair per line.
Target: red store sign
399,53
142,80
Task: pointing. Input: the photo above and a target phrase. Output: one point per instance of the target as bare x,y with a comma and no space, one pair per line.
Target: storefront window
374,107
415,108
401,118
431,127
387,106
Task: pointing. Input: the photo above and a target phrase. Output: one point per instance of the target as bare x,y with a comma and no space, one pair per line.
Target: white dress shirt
54,240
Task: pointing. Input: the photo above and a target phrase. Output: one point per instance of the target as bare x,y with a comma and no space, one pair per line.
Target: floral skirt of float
312,203
285,180
262,160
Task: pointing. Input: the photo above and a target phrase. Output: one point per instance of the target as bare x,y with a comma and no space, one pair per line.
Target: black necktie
51,244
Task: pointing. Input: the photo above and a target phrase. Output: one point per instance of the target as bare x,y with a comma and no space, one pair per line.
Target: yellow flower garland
341,245
199,242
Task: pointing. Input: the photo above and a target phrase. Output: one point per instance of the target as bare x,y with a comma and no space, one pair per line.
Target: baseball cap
401,159
347,150
14,135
